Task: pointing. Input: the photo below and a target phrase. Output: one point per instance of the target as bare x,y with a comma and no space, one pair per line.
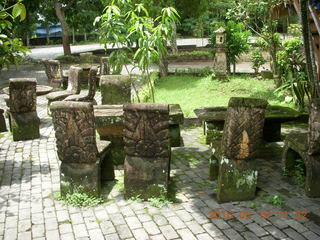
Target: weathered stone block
54,72
104,66
145,177
81,155
115,89
237,180
243,129
147,149
84,177
3,127
174,135
22,95
24,126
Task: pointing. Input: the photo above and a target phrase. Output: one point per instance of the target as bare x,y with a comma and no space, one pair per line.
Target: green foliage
192,53
11,47
199,72
292,69
80,199
159,202
237,41
257,60
125,24
276,200
299,176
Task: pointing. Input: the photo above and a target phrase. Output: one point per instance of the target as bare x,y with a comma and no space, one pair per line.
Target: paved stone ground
29,177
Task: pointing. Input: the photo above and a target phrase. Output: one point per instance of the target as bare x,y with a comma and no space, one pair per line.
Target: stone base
82,177
174,135
24,126
296,147
3,127
237,180
146,177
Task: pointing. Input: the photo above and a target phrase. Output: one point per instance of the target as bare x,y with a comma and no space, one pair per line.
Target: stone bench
213,119
109,124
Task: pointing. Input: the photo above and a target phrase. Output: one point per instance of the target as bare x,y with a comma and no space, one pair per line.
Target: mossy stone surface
237,180
174,135
82,177
24,126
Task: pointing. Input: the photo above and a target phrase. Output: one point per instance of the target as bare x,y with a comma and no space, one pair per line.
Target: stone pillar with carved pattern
147,150
23,118
241,141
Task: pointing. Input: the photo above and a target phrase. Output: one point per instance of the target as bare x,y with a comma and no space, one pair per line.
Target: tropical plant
11,47
257,60
293,69
130,29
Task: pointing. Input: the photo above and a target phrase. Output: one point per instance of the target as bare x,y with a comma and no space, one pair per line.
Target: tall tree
60,8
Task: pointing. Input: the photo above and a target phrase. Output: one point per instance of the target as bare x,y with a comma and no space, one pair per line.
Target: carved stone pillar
147,149
23,118
241,140
104,66
77,148
3,127
115,89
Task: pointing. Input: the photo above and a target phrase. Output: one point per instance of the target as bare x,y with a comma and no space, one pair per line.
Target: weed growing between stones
276,200
79,199
299,173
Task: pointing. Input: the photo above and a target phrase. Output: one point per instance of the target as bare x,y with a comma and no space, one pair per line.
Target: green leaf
16,11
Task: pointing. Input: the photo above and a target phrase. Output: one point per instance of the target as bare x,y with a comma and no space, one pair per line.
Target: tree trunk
48,33
234,68
73,36
174,45
28,39
307,45
85,36
163,66
65,36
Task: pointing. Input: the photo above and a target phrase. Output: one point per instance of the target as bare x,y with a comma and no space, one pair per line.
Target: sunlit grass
196,92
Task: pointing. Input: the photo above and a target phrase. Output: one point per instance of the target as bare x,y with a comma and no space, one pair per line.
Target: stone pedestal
237,180
82,177
147,149
176,118
54,72
23,118
115,89
242,138
24,126
3,127
104,66
78,150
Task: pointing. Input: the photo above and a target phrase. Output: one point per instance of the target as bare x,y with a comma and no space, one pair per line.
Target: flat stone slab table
109,124
213,119
40,90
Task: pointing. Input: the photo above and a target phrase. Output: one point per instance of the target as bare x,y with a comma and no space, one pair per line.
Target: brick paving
29,177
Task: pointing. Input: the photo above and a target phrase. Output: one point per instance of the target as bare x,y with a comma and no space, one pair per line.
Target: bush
193,53
199,72
257,60
68,59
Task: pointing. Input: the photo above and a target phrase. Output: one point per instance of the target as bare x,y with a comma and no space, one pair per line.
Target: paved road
55,51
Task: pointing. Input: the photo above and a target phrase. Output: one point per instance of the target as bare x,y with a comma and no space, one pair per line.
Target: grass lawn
196,92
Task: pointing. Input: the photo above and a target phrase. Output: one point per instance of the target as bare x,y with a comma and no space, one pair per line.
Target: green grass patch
196,92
